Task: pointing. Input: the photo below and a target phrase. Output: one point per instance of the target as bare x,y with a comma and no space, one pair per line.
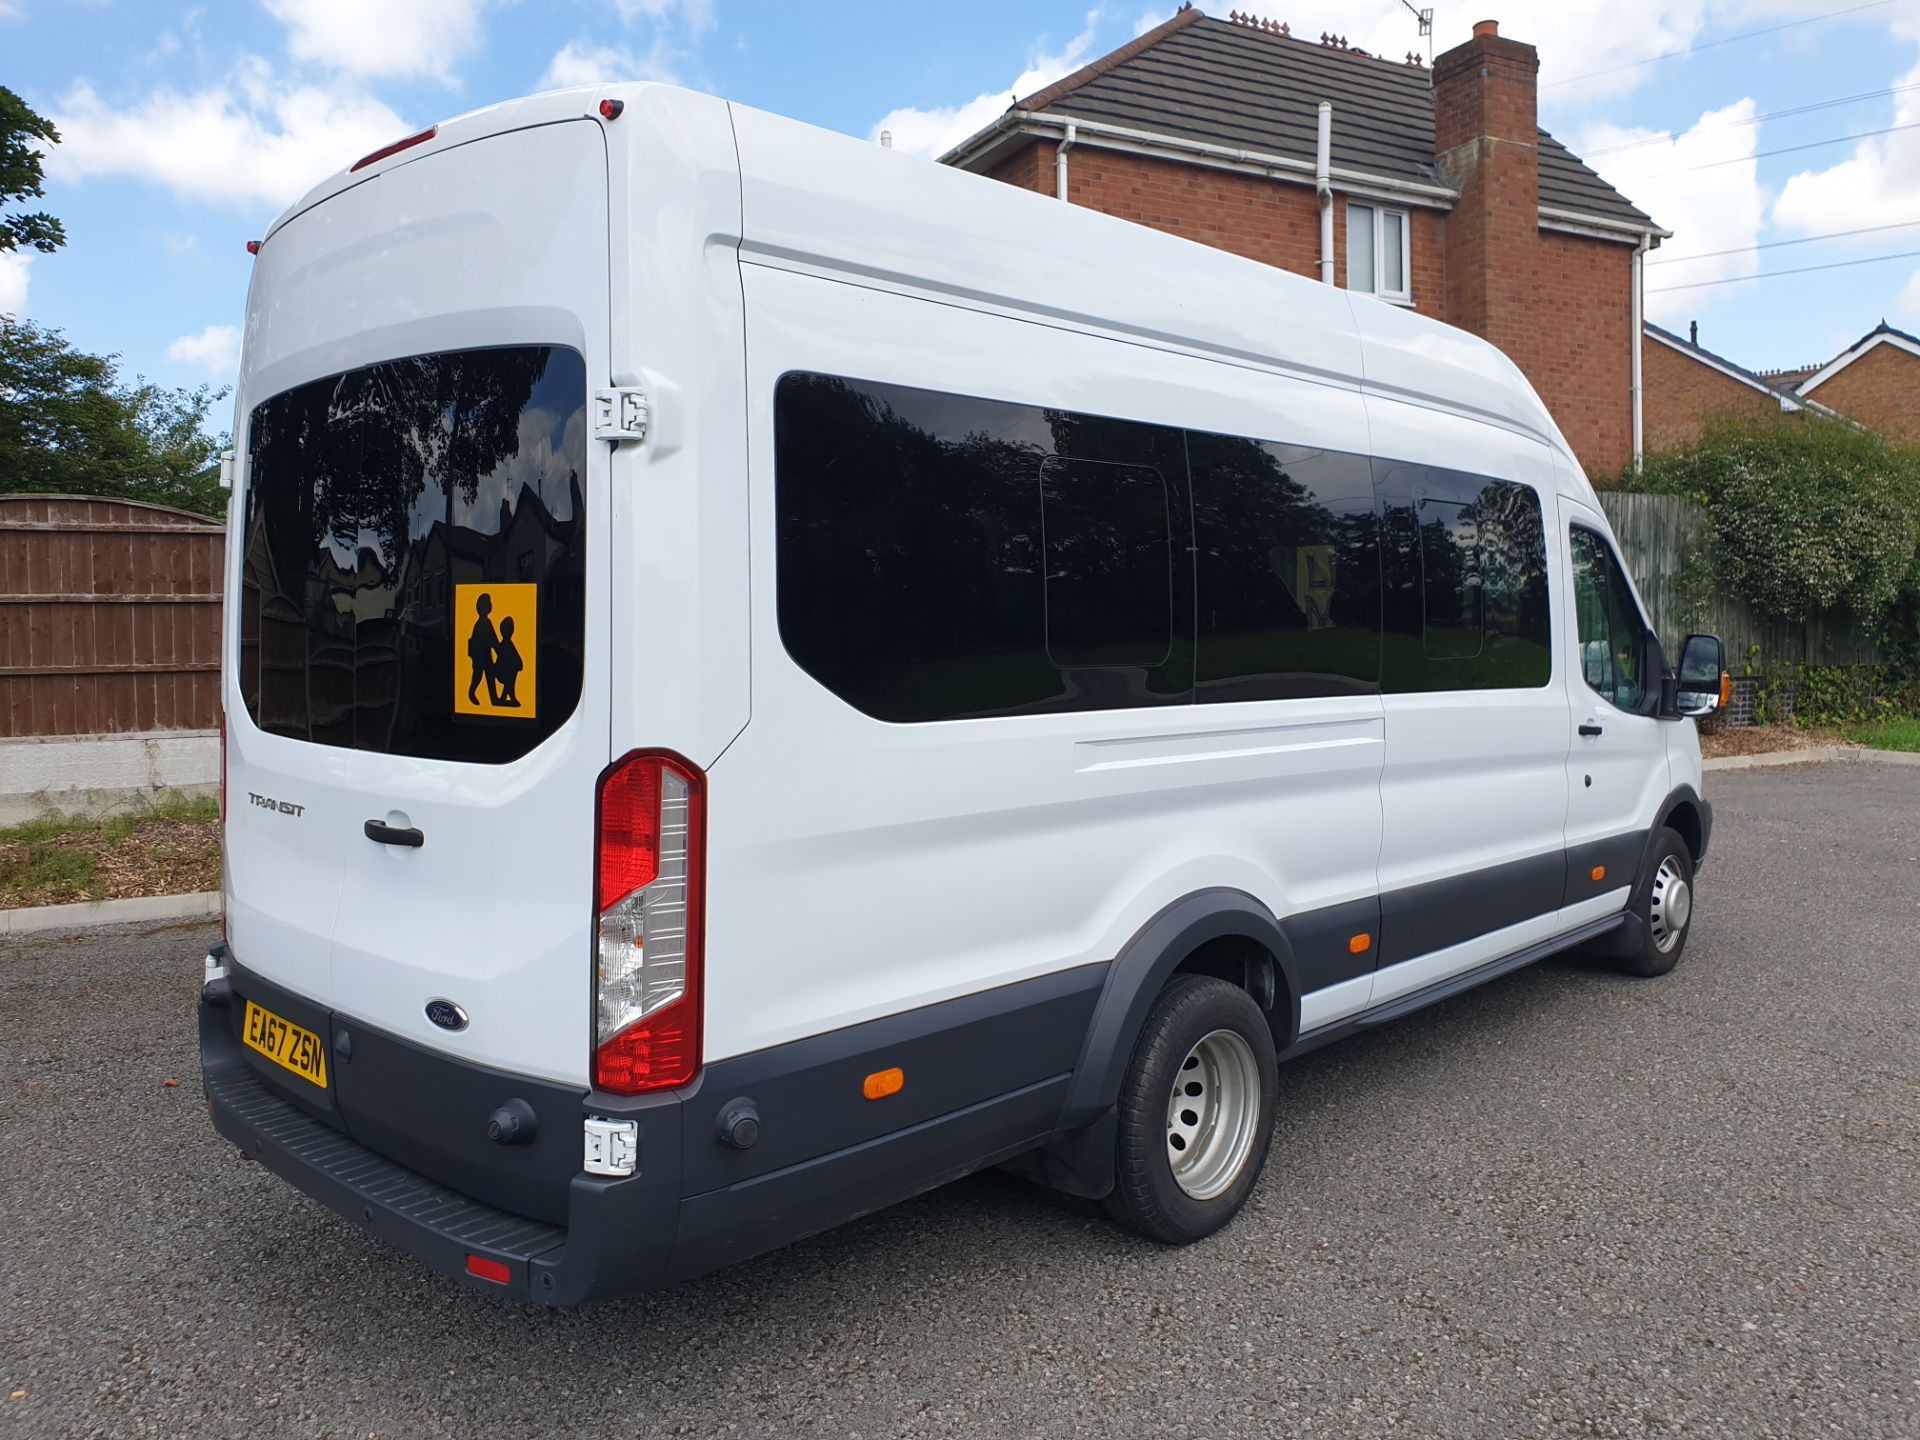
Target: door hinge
620,414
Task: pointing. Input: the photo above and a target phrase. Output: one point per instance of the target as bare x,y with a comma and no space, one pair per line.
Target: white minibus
763,674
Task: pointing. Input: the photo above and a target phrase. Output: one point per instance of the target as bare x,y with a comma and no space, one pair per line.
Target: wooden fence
1664,540
109,617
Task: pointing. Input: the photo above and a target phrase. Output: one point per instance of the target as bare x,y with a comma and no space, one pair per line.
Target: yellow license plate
286,1044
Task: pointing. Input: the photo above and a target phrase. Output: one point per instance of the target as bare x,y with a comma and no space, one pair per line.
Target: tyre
1195,1113
1665,908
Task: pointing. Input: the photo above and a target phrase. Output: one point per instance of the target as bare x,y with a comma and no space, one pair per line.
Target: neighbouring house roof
1733,371
1881,334
1770,384
1216,82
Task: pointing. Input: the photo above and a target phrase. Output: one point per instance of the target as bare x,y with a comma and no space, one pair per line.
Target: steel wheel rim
1213,1113
1670,905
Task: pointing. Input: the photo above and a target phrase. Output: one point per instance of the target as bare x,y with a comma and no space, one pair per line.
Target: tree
20,176
70,426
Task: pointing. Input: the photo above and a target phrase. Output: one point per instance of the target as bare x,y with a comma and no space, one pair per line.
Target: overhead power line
1808,109
1784,150
1798,270
1713,44
1776,244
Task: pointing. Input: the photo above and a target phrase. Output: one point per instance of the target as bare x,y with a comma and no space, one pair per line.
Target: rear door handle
410,836
1587,727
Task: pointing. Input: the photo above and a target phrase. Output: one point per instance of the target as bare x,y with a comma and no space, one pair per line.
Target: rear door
419,659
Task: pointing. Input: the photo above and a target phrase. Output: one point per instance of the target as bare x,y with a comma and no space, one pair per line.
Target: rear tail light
648,866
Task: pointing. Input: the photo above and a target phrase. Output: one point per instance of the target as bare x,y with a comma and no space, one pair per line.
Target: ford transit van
762,674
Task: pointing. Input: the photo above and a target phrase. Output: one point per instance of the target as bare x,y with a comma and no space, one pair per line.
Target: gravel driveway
1566,1204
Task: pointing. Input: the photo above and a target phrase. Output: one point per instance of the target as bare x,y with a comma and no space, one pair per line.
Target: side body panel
860,868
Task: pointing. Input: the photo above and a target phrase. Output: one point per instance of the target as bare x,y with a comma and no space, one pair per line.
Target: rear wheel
1665,908
1196,1112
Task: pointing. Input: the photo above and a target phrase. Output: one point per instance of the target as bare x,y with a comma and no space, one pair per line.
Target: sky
187,127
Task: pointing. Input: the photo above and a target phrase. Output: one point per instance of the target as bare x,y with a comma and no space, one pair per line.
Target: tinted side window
942,557
1611,633
1465,594
1109,563
1288,571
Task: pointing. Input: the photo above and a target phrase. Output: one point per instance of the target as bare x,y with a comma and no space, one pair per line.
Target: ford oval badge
446,1014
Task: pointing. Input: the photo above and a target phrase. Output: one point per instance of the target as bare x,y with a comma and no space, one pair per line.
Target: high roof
1222,83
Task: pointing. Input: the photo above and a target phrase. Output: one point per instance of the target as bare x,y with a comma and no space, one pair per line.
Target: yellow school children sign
496,639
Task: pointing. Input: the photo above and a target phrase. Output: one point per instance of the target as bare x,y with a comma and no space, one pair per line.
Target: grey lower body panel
985,1076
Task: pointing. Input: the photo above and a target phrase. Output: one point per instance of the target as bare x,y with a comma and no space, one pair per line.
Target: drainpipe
1060,162
1323,187
1639,331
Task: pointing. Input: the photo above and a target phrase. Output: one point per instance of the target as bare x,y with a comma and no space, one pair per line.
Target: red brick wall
1580,353
1560,305
1881,390
1681,393
1266,220
1030,167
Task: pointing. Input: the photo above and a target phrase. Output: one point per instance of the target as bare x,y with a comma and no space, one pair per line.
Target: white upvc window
1377,252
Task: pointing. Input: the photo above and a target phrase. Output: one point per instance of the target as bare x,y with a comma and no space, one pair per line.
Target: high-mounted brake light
394,149
649,864
610,109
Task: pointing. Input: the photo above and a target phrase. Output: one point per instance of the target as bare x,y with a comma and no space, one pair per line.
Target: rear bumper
694,1204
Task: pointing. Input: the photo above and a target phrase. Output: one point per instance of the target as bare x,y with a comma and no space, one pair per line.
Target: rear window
415,561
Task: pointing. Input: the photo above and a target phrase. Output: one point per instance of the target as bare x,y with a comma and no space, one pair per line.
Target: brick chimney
1486,141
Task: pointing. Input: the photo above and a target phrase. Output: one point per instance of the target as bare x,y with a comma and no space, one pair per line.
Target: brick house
1875,381
1686,385
1445,194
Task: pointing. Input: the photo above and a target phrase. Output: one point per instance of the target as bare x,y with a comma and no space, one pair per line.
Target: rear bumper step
405,1209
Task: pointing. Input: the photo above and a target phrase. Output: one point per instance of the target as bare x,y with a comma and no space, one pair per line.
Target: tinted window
1611,633
415,555
943,557
1288,571
1464,568
1109,562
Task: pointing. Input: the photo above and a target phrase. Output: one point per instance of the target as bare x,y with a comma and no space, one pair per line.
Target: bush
1808,515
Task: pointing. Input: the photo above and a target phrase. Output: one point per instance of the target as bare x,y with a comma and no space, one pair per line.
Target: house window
1377,252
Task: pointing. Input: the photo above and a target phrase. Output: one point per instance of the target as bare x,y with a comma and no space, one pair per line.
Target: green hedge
1808,516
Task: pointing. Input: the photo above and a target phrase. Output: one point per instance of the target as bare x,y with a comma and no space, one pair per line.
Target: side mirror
1702,683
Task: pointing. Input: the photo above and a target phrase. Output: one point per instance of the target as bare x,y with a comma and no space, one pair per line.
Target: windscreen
415,555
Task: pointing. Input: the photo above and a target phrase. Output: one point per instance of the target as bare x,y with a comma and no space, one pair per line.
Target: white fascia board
1846,358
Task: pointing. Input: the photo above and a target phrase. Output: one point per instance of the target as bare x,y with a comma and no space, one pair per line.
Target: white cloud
13,282
1907,307
1877,184
694,16
381,37
250,141
936,130
1574,37
580,63
215,349
1704,185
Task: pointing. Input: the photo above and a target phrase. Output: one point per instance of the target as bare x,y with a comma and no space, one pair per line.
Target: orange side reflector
1360,944
1726,689
1598,874
883,1083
